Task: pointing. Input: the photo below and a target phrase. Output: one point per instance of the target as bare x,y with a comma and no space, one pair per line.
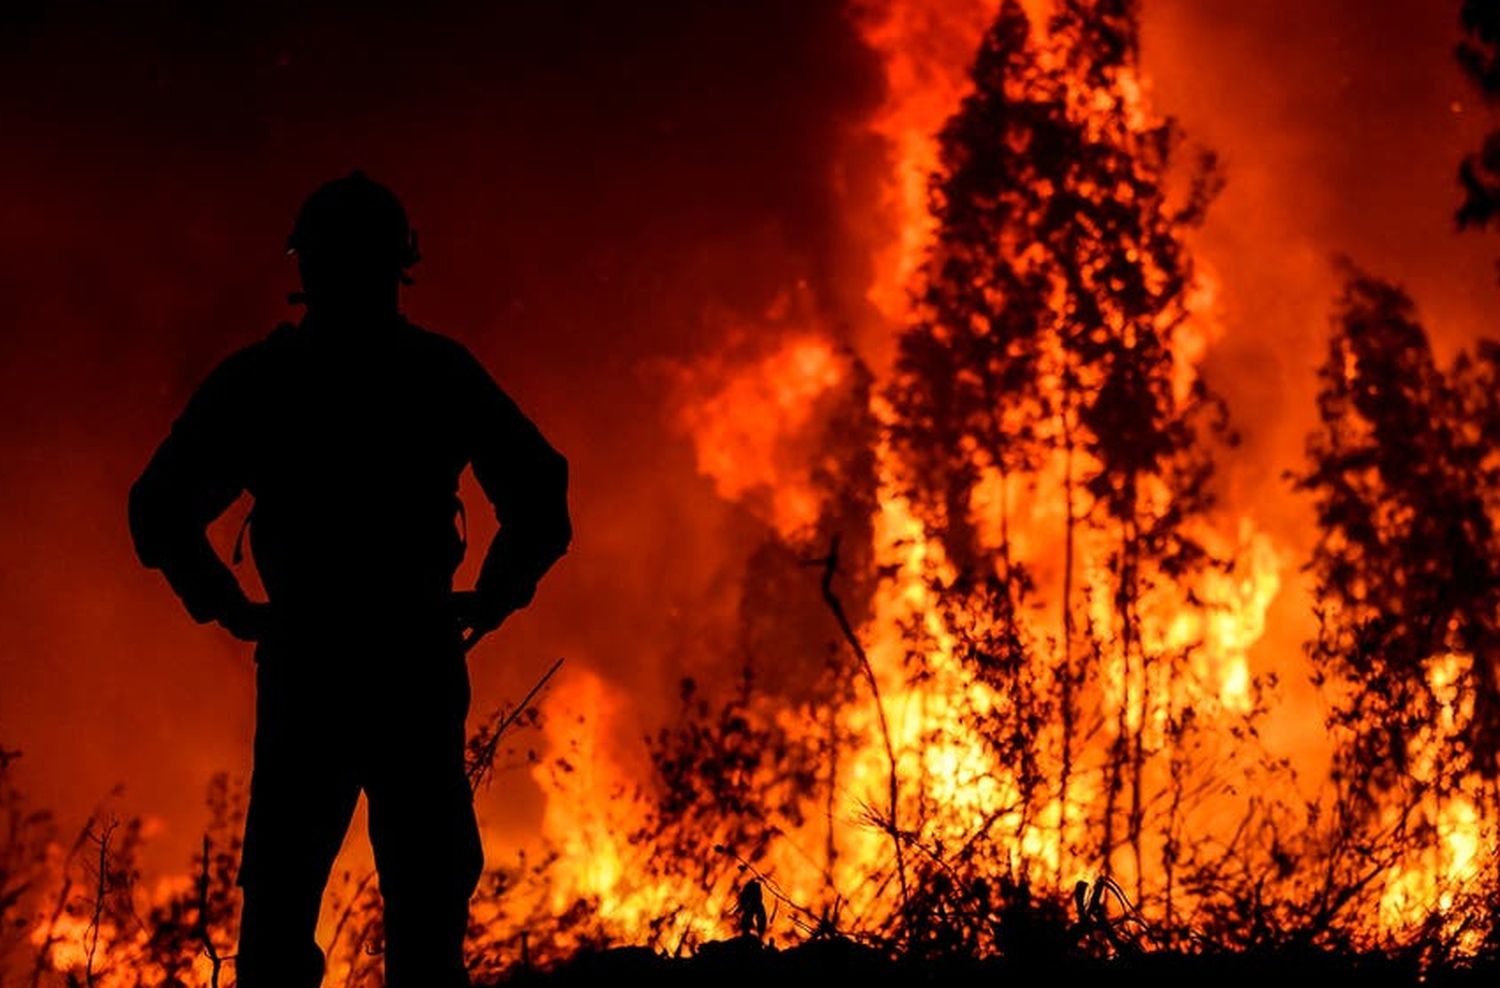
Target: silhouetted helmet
354,223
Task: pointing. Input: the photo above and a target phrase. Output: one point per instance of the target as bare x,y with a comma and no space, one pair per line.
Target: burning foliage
29,836
86,919
1403,470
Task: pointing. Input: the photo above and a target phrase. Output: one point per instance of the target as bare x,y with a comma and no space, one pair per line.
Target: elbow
563,537
145,520
158,523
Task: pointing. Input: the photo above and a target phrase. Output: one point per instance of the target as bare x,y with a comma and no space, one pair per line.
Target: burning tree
1044,369
1405,473
1405,476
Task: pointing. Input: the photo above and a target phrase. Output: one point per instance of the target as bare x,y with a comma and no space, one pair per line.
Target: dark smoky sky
588,179
591,181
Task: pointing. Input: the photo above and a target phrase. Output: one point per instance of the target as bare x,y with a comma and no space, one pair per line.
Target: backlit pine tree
1405,472
1404,469
1044,358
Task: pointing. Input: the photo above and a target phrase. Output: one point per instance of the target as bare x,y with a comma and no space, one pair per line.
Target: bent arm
527,482
188,483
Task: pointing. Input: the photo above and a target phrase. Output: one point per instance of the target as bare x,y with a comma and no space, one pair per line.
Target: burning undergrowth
992,687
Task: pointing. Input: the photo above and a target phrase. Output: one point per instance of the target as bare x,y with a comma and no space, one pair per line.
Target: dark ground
844,963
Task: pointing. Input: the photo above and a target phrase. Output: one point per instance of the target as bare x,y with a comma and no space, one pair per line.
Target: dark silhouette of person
350,431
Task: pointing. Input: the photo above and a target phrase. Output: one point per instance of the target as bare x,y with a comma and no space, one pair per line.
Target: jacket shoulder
450,359
242,368
439,345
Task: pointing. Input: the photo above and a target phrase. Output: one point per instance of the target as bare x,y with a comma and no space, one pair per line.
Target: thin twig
201,927
484,760
101,890
348,910
830,564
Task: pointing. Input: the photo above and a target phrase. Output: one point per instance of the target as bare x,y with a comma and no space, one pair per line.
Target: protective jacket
351,443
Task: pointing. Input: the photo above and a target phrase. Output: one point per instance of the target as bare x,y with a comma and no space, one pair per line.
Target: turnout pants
384,716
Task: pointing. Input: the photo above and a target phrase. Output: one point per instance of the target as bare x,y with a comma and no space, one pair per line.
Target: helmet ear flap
411,255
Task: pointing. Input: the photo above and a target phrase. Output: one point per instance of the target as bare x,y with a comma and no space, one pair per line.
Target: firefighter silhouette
350,430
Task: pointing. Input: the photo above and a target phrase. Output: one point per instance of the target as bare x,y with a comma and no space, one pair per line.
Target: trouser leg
425,838
302,796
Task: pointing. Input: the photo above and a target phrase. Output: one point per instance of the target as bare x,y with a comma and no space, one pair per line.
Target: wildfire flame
749,420
747,417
